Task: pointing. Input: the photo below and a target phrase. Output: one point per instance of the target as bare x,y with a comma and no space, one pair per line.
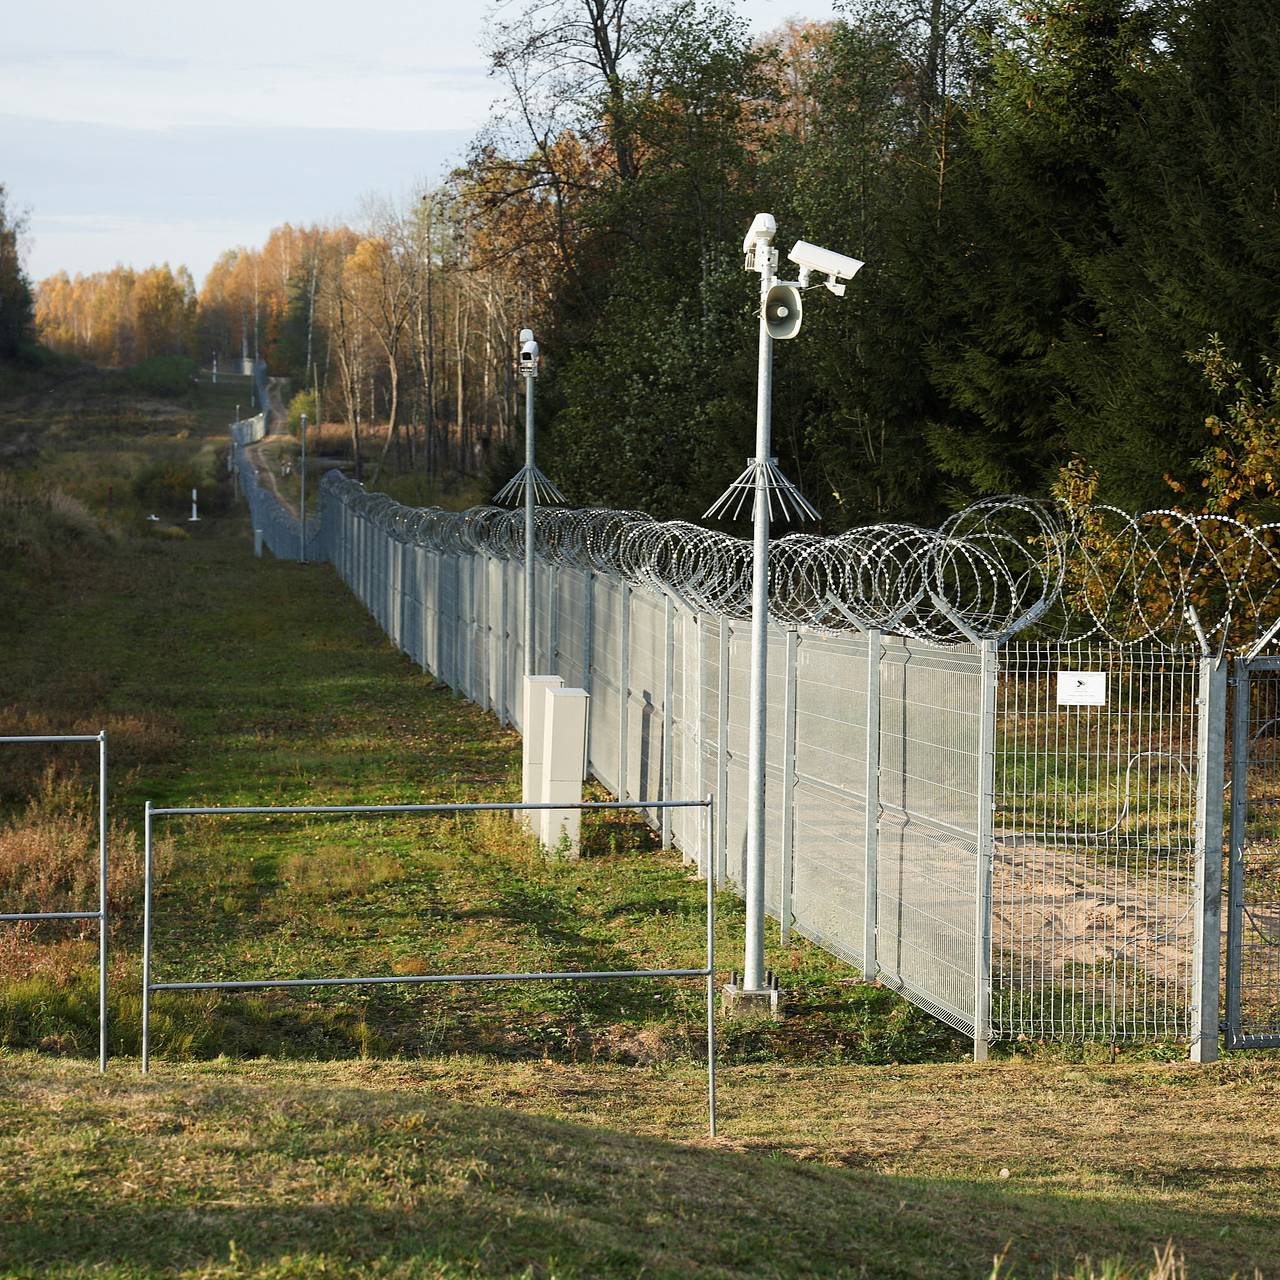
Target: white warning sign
1082,688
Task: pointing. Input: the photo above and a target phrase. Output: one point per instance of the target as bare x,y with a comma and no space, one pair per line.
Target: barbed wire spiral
999,568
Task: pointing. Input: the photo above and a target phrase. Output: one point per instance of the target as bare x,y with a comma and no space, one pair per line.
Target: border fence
995,750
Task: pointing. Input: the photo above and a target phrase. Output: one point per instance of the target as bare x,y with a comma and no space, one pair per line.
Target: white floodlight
835,266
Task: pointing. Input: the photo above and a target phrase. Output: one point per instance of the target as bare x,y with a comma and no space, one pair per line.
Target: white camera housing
835,266
528,354
757,244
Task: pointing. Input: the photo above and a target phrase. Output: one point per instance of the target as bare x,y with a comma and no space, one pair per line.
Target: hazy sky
137,131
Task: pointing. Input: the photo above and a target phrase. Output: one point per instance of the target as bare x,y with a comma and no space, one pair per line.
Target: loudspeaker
782,311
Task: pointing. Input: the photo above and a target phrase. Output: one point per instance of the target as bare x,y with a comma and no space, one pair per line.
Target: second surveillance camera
835,266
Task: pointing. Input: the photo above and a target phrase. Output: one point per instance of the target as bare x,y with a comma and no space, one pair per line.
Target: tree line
1068,211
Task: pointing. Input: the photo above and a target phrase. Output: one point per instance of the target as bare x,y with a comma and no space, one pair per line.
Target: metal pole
871,816
146,938
1207,945
624,692
753,958
788,786
530,663
102,900
302,503
668,715
1239,816
988,675
709,826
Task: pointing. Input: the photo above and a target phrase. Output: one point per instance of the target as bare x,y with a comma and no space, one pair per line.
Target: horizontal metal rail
55,737
258,984
706,972
51,915
586,806
100,915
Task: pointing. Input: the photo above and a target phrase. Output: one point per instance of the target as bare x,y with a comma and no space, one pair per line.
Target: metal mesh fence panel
829,862
927,860
1093,879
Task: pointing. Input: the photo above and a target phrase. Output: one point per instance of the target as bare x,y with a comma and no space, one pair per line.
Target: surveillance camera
528,353
835,266
763,228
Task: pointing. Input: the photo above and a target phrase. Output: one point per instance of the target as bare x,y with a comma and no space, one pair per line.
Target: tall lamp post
763,484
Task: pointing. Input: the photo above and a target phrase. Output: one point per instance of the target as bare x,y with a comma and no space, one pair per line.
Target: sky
141,131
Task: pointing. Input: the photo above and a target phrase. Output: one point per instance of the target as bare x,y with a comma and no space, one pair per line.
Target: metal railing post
1211,719
871,817
988,675
788,783
146,938
103,881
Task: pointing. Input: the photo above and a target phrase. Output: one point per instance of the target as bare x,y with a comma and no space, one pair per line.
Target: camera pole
530,486
762,484
530,561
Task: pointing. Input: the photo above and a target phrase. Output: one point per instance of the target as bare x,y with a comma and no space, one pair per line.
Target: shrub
303,402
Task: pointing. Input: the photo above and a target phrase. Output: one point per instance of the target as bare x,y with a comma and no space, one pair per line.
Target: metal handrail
707,971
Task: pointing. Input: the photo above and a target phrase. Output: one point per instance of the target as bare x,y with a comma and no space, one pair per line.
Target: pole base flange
737,1001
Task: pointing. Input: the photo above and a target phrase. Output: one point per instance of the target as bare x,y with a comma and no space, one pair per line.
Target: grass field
547,1131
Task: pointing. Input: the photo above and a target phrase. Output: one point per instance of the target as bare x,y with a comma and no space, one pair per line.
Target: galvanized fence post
790,687
624,690
668,712
707,839
722,757
1211,728
552,578
871,816
588,651
1239,816
989,674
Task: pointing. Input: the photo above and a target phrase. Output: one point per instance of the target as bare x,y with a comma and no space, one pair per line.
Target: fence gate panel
1253,894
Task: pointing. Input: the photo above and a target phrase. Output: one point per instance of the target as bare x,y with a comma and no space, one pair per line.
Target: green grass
552,1130
451,1167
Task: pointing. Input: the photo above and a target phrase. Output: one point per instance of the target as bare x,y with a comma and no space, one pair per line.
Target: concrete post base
737,1002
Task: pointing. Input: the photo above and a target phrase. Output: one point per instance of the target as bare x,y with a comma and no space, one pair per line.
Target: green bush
303,402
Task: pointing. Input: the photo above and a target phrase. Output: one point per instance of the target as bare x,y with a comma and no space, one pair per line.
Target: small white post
531,729
257,542
194,517
564,745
